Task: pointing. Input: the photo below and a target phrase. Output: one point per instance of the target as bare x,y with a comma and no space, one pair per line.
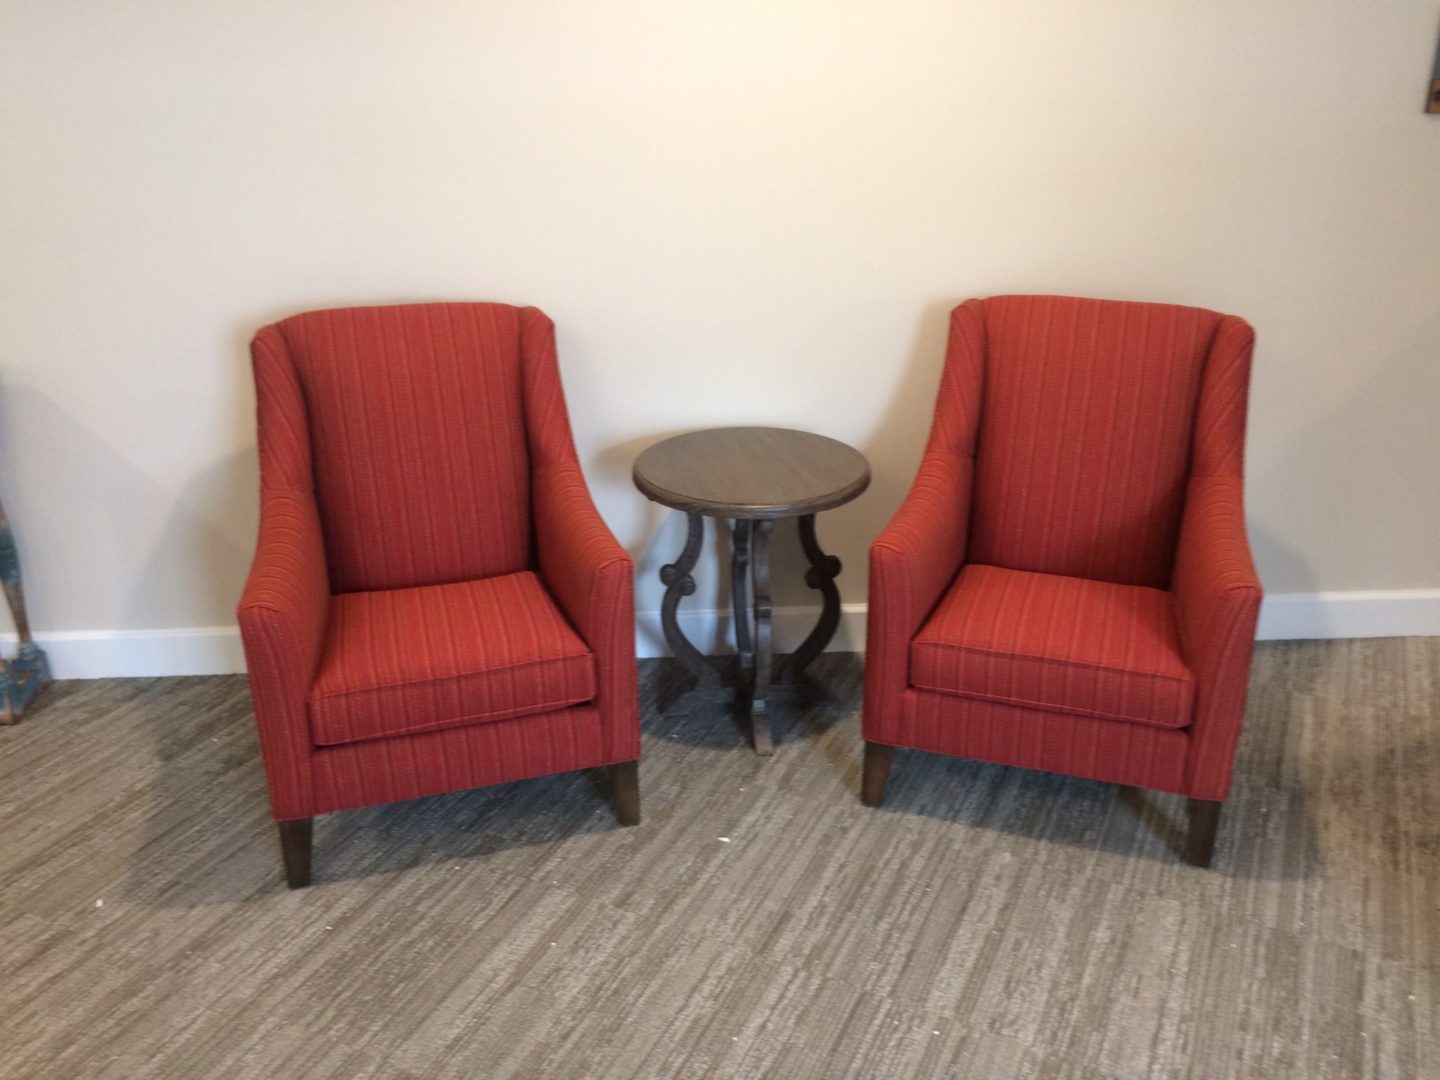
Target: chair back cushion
1084,441
417,434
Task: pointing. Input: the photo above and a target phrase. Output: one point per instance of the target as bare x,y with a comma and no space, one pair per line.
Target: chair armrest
1217,601
912,563
282,617
592,578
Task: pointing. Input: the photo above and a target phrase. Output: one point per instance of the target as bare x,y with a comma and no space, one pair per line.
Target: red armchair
1068,585
435,603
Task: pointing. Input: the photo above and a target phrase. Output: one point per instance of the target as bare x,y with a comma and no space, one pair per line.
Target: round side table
752,477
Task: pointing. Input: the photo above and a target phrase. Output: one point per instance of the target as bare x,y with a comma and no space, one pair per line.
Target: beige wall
748,212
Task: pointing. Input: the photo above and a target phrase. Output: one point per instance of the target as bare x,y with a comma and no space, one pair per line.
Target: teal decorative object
29,672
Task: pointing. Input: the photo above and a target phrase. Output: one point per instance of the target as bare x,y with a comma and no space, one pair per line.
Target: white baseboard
103,654
215,650
1358,614
1283,617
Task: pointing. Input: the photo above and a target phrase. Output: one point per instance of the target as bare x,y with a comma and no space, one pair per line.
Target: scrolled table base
755,683
678,583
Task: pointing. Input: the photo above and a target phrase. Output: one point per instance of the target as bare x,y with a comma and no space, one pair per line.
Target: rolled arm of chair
912,563
1217,602
282,616
591,577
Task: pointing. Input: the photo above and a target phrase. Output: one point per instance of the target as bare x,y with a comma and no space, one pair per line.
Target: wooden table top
751,472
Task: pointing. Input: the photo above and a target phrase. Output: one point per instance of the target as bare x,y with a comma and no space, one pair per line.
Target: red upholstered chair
434,604
1068,585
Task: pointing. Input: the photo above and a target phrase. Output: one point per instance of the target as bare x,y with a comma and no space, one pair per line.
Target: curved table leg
759,709
678,583
740,597
824,569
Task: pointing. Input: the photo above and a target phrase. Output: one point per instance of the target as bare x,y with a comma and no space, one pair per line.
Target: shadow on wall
109,547
1275,560
1363,475
897,441
85,516
215,515
213,509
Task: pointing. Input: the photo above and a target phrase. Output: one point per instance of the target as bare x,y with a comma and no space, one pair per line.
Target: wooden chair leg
625,792
1204,817
295,850
878,757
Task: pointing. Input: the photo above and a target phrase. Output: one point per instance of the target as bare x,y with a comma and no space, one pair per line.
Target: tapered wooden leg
878,757
625,792
1204,823
295,850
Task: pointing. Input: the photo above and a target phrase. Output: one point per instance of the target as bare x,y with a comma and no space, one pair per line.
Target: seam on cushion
613,560
438,585
1243,586
443,678
279,488
256,606
880,544
1007,655
1041,706
1233,611
441,725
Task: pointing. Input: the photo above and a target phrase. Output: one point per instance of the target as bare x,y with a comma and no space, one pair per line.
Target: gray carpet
987,922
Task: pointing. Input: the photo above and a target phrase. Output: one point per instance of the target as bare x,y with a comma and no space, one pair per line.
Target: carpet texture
987,922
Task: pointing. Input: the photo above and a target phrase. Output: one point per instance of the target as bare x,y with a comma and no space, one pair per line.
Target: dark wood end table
752,477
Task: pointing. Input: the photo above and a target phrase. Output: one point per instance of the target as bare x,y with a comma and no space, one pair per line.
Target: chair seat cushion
402,661
1062,644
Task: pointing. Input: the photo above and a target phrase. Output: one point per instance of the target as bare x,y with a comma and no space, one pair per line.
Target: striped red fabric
916,556
283,430
1140,755
1090,648
583,565
1217,592
418,434
593,579
956,425
1074,546
1219,443
401,661
1217,596
282,618
429,556
911,564
1083,454
410,767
